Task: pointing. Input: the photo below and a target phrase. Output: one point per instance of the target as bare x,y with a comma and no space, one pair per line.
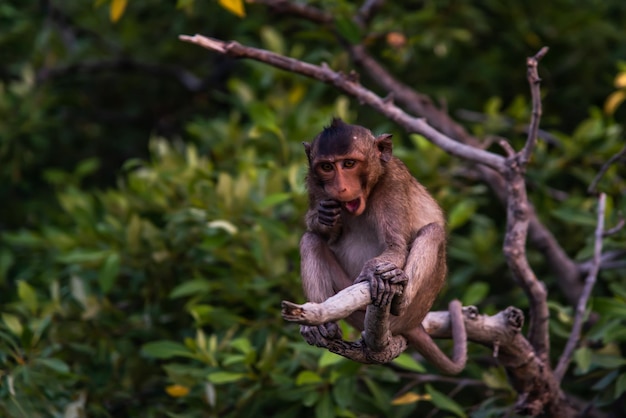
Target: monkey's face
342,179
345,162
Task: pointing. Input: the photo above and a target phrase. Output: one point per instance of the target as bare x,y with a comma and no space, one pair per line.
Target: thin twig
590,281
534,81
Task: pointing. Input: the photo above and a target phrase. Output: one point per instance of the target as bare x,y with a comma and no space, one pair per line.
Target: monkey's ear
383,142
307,150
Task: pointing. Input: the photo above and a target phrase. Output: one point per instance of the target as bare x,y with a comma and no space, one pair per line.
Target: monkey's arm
321,274
325,219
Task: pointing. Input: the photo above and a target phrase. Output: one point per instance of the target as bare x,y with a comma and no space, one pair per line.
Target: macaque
370,220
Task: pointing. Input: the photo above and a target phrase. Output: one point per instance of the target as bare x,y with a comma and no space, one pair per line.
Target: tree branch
540,394
574,336
534,81
349,85
517,225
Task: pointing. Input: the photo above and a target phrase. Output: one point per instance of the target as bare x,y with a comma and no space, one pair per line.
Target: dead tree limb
517,223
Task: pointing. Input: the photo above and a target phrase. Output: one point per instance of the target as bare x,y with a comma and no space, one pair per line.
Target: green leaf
83,257
13,323
273,200
87,167
27,295
328,359
444,402
461,213
55,364
324,407
405,361
609,307
608,361
109,272
307,377
348,29
620,386
575,216
166,349
475,293
219,378
272,40
242,344
582,357
191,288
379,396
343,391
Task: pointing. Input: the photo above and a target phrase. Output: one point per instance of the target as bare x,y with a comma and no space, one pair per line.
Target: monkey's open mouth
353,205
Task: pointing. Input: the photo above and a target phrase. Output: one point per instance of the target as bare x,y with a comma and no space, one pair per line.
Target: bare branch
348,85
366,11
610,259
540,394
534,81
518,210
590,281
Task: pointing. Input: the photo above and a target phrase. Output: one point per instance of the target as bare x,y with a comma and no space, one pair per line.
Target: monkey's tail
422,342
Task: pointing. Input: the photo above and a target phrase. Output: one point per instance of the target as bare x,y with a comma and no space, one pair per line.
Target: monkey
369,220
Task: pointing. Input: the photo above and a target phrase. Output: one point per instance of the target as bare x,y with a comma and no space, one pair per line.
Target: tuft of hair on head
338,138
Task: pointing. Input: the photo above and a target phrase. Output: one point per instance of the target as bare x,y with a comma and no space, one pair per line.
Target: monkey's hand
386,281
329,212
319,335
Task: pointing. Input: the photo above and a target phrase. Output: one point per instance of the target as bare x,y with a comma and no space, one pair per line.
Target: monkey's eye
349,163
326,167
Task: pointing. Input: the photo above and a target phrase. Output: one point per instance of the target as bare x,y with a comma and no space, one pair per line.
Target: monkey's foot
321,335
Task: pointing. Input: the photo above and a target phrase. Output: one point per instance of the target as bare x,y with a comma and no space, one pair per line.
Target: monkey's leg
426,269
321,276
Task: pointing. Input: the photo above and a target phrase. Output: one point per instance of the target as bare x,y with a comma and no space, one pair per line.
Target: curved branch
347,84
